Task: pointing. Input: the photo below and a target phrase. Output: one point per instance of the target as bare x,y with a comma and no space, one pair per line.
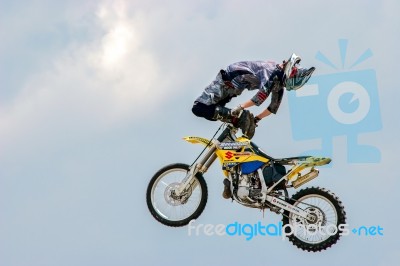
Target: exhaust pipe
301,180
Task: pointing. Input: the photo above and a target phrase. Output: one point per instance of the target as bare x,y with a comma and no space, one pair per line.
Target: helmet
294,76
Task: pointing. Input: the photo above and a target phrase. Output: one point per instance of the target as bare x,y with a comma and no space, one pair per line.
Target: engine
249,187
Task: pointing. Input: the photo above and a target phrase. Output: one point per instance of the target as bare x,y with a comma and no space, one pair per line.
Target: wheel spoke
325,213
168,206
165,184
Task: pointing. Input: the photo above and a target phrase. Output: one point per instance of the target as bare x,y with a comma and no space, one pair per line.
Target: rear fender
307,162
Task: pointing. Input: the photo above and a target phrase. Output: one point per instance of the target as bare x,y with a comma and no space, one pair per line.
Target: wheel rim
324,224
171,208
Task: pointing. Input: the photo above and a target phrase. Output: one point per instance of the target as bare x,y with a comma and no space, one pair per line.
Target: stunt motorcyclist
267,77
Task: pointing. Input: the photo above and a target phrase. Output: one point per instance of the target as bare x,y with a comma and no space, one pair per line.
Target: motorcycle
177,193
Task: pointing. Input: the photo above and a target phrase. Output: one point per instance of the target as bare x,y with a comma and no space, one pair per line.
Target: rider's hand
236,111
256,120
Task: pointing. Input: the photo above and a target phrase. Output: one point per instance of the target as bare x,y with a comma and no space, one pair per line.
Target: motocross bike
177,193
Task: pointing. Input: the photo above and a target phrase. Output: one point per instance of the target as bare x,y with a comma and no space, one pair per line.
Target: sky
95,97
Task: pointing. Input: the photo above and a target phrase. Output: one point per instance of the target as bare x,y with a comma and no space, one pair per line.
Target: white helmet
295,77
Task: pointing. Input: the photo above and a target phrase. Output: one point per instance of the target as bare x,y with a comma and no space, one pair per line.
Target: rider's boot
224,114
245,121
227,194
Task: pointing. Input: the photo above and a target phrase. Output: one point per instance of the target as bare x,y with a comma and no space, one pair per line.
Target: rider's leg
245,121
215,112
227,193
223,114
204,110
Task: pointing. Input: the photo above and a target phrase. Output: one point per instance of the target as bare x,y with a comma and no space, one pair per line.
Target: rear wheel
324,230
165,206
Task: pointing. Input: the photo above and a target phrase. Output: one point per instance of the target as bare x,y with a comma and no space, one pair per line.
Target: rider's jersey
263,76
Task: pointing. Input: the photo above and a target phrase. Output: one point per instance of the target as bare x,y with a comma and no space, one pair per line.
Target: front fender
198,140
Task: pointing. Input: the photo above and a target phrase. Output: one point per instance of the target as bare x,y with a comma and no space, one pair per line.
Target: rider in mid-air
267,77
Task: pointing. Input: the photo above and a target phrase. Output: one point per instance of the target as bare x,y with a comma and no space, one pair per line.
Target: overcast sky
95,97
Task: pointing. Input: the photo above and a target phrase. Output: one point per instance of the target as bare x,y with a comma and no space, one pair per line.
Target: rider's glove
246,123
237,110
256,119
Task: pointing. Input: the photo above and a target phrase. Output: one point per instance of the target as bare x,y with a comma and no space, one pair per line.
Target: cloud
92,84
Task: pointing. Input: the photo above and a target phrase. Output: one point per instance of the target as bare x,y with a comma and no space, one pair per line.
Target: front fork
205,163
201,167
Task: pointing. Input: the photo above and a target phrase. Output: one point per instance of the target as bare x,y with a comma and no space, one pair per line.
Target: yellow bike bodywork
241,151
229,156
177,193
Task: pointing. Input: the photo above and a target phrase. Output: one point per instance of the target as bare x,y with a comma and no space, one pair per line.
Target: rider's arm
274,86
264,114
250,103
275,102
249,81
276,99
247,104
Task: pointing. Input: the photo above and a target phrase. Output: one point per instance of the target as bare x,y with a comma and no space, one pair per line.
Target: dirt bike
177,193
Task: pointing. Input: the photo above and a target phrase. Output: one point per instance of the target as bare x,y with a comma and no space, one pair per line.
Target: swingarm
290,208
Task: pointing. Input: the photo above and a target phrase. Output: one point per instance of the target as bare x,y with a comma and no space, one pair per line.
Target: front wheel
166,207
324,229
